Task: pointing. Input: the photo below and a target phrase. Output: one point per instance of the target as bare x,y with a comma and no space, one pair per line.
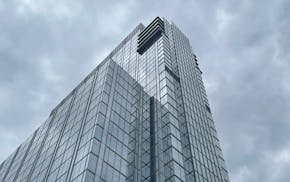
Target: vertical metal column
25,155
42,144
107,120
60,136
68,177
152,141
8,169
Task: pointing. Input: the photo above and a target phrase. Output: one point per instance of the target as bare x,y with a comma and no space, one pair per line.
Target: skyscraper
141,115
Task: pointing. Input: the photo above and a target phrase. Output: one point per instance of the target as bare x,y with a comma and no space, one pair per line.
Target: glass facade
140,115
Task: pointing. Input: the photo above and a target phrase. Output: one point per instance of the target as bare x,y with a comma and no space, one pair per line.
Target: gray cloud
47,47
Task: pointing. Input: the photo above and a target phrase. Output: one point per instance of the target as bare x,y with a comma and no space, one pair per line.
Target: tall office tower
140,115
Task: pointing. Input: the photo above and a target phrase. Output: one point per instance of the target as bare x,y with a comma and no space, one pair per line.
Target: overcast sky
243,48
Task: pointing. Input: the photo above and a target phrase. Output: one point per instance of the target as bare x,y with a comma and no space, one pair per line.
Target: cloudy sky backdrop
48,47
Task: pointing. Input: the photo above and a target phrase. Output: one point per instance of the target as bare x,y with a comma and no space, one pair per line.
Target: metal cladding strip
145,43
109,108
8,169
150,35
41,146
149,42
60,136
68,177
1,165
152,141
146,36
25,155
157,20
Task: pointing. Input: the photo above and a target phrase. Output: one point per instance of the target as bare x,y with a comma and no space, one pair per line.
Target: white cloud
282,156
224,19
242,174
46,69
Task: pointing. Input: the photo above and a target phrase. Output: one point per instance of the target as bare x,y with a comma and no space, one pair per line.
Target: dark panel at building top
150,34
